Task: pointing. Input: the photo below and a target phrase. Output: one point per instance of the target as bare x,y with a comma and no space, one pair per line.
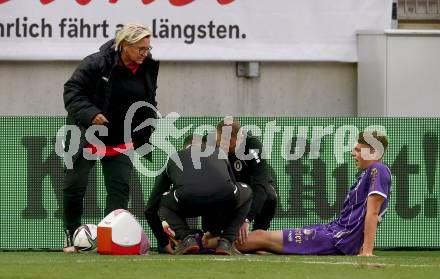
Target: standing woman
100,92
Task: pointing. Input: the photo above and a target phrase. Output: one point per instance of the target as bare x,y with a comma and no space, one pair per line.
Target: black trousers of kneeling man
222,216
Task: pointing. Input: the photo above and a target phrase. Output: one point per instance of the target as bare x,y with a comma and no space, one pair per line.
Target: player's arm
374,204
161,185
259,176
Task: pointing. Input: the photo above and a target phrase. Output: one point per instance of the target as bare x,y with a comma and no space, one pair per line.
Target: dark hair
377,135
233,123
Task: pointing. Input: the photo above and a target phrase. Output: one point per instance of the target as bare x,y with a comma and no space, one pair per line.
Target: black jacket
87,92
256,172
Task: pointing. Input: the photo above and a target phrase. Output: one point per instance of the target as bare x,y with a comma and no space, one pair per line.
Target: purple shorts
310,240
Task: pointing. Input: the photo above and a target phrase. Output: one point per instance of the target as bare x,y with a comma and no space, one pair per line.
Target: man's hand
243,232
363,254
99,119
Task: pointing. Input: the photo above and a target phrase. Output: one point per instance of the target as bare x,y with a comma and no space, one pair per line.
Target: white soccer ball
84,238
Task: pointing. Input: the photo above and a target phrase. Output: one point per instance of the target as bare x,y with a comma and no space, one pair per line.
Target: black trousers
222,218
117,171
263,219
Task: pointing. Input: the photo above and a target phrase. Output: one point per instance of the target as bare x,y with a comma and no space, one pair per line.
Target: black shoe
226,248
188,245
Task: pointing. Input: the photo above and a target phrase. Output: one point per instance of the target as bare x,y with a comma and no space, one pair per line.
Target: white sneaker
68,243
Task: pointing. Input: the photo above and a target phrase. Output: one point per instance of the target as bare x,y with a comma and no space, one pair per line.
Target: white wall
199,88
398,73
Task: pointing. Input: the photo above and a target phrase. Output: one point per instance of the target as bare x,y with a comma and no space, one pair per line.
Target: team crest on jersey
238,166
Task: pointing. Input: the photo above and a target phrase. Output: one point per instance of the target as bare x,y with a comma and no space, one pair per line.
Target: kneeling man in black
203,185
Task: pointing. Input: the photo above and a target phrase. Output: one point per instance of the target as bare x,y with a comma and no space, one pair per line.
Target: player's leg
261,240
310,240
263,219
75,184
117,172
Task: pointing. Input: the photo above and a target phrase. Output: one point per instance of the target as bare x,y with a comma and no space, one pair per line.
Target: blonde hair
131,33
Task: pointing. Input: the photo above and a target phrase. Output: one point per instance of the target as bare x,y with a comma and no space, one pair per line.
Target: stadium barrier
311,188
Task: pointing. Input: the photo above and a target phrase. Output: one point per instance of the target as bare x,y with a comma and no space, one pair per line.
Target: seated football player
354,231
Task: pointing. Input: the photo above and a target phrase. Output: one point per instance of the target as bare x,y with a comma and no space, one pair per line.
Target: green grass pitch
387,264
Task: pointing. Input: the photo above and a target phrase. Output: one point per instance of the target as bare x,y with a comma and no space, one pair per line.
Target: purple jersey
348,229
345,235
